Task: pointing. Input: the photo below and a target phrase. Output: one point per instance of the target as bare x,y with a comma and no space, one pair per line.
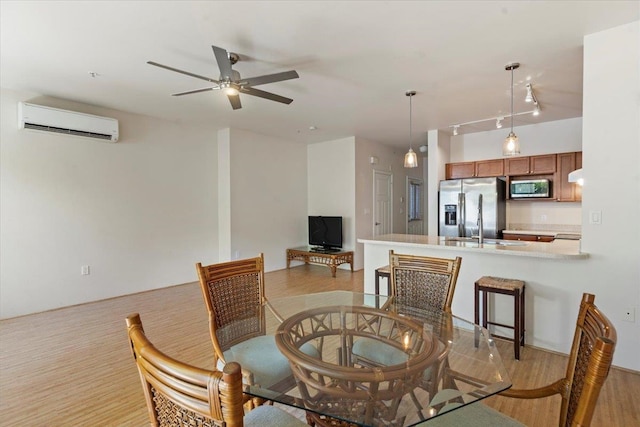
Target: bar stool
383,272
499,285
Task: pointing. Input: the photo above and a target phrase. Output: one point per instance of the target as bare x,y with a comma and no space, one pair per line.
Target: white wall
331,187
268,197
439,153
134,211
611,164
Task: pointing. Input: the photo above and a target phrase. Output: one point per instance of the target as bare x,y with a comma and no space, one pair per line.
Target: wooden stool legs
383,272
515,288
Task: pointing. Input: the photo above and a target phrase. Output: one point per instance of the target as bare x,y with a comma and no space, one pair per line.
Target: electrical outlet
84,270
629,314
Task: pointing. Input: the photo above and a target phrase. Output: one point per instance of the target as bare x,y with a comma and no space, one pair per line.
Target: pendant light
511,145
410,159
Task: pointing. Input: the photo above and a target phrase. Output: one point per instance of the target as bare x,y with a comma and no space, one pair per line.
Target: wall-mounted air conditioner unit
47,119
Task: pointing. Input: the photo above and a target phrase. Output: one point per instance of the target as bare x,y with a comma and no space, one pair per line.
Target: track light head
499,122
536,111
529,97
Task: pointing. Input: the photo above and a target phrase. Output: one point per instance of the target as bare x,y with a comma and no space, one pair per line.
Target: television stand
331,258
323,250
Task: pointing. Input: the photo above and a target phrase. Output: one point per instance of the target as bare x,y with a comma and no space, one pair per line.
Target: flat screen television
325,232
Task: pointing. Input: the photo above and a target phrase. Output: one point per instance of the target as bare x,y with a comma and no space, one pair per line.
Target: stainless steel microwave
530,188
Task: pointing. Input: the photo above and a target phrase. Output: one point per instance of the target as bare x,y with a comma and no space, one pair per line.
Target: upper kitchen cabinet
489,168
460,170
479,169
530,165
566,191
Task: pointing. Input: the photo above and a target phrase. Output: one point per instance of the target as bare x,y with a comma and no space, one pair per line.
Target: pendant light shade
511,145
410,159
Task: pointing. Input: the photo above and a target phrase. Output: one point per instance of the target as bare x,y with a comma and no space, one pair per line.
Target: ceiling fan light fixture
231,91
410,159
511,145
230,81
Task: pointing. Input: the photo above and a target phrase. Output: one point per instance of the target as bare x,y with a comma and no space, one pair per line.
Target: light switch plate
595,217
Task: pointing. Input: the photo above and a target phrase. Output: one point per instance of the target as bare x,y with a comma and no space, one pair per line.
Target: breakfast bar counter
559,249
551,272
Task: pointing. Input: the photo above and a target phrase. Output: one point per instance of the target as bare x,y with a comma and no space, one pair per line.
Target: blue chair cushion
269,416
382,354
377,352
261,356
475,414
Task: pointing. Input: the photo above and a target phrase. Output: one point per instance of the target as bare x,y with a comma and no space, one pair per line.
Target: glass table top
371,361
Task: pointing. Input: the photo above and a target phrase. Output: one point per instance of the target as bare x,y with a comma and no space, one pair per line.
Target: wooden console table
331,259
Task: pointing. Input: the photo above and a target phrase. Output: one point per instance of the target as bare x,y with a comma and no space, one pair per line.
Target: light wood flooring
73,367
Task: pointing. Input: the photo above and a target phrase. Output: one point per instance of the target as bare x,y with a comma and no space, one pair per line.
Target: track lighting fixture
531,97
410,159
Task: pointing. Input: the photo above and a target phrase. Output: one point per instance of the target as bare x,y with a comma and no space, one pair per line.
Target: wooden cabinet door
460,170
564,190
488,168
516,166
542,164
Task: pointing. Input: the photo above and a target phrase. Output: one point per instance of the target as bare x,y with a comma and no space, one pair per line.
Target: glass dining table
377,362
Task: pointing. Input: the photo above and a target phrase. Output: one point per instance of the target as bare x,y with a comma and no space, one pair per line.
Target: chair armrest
557,387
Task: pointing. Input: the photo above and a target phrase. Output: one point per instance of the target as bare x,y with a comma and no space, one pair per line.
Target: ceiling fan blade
166,67
266,95
271,78
235,101
224,63
194,91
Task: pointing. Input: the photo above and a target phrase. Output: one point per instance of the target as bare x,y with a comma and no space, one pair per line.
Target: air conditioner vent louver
67,131
53,120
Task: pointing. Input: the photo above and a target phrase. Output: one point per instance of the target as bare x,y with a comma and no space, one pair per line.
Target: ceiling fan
231,82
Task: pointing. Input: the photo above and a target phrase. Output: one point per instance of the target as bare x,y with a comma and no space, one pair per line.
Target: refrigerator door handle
463,214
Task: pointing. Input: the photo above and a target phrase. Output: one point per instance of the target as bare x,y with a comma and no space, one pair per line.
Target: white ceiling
355,60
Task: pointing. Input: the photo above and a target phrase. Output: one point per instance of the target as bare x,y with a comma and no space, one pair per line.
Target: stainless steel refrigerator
458,211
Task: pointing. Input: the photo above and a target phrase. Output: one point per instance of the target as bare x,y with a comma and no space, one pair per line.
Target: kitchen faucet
480,224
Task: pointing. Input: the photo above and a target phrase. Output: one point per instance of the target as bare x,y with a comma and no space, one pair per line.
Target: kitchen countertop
558,249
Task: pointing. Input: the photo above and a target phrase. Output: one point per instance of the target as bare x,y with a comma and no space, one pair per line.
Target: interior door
382,202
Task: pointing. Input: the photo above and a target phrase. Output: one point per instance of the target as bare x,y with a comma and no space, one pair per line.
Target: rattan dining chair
417,283
182,395
590,358
234,295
